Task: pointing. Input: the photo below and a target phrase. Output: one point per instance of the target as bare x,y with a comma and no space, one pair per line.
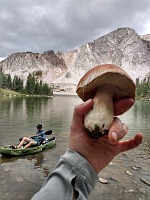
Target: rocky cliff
123,47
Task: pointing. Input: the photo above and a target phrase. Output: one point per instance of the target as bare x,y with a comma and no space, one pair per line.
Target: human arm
41,134
71,179
72,176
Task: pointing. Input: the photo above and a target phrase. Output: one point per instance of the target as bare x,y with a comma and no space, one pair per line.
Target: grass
8,92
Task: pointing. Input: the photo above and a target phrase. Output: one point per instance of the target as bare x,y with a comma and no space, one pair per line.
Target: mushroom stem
99,119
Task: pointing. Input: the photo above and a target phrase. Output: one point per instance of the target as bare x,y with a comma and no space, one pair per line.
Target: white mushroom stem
101,116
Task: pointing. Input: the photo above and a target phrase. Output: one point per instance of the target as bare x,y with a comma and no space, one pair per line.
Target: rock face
123,47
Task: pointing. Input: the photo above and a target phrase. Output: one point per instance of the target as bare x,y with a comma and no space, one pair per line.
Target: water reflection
18,117
37,159
34,105
143,120
141,111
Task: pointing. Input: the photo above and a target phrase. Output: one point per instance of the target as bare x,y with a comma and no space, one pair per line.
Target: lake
21,177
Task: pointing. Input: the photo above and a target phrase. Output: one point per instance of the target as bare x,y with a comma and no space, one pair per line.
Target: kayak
7,150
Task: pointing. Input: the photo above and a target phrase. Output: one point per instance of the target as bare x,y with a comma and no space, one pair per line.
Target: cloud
38,26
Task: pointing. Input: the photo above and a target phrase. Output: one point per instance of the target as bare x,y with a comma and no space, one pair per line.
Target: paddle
48,132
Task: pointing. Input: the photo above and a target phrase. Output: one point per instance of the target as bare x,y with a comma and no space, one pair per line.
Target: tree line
32,86
143,87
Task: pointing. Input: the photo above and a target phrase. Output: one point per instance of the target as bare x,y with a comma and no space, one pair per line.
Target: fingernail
114,136
87,101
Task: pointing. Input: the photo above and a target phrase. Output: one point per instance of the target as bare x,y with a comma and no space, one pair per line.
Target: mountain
62,70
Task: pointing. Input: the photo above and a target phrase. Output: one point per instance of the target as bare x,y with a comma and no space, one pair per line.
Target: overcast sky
64,25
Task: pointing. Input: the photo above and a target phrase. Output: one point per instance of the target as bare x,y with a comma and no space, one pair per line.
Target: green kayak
7,150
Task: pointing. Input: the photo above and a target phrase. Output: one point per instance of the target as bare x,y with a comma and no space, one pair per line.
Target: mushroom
105,84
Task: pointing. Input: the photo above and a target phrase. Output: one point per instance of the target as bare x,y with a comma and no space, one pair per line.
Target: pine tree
9,82
45,89
2,80
143,88
30,84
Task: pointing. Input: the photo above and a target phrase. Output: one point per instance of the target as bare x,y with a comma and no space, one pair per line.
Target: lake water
21,177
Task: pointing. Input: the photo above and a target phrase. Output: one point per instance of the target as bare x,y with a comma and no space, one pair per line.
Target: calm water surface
21,177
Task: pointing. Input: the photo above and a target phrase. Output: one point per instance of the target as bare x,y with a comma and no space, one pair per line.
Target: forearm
73,175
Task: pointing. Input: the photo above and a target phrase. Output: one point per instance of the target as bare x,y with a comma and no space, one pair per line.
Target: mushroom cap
110,76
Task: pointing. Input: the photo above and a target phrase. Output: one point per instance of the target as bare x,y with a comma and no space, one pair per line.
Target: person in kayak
34,140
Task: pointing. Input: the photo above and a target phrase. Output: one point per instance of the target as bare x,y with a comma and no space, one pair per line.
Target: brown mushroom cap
110,76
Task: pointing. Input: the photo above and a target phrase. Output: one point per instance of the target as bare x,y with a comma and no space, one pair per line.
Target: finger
83,108
80,111
130,144
117,131
122,106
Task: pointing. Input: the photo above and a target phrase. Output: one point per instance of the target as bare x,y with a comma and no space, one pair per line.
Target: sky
64,25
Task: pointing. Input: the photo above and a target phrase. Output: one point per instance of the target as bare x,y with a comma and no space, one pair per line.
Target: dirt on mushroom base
123,179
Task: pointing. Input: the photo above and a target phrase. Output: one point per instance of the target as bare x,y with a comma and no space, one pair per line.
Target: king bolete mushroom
105,84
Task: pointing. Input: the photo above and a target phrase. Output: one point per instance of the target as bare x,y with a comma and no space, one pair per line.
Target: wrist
91,162
82,165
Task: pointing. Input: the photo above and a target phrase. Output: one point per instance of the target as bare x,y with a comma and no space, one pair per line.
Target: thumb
80,111
83,108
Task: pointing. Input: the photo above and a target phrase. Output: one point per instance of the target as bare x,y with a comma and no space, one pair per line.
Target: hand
100,153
